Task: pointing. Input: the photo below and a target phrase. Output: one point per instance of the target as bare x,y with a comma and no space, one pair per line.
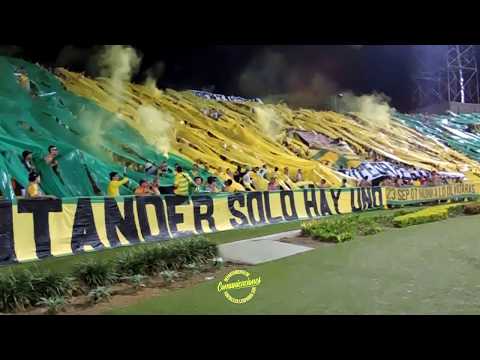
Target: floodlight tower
445,73
462,74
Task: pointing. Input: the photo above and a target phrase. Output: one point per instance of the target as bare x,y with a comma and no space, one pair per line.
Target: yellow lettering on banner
345,202
430,193
221,215
153,221
275,205
300,205
99,216
61,229
24,239
123,239
188,221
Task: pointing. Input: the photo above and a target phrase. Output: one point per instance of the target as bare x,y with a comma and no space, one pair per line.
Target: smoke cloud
118,63
271,124
153,74
375,108
159,125
273,77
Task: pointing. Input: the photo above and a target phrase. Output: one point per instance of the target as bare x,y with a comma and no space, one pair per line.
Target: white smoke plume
158,127
271,124
372,108
118,63
153,74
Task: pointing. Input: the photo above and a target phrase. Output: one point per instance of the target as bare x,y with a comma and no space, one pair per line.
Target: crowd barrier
38,229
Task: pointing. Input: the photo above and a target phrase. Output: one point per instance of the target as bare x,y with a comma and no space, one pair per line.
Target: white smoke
158,127
118,63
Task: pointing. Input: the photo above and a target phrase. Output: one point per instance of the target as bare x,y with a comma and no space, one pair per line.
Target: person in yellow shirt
275,174
113,189
416,182
231,186
33,189
182,182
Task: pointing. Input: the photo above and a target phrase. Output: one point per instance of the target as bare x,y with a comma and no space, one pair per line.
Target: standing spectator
436,179
344,183
33,189
299,176
182,182
150,169
51,160
263,171
198,182
398,182
163,168
424,181
286,173
231,186
388,182
273,184
155,186
323,184
247,181
27,160
113,189
237,176
143,189
275,173
212,185
365,183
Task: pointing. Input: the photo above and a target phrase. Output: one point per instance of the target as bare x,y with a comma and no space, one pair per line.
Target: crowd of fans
242,179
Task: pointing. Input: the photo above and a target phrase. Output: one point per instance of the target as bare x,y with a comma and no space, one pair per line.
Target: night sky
279,69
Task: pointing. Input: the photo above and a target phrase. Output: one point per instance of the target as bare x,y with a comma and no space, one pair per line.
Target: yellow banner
38,229
430,193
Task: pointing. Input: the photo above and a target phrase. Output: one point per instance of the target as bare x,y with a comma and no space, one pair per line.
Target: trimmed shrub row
22,289
436,213
342,229
346,228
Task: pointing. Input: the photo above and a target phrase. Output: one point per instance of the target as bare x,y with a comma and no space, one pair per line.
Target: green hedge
432,214
23,289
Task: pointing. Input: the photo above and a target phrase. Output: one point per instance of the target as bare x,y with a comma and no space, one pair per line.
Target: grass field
427,269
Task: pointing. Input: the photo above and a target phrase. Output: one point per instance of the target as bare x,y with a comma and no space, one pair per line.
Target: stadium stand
97,134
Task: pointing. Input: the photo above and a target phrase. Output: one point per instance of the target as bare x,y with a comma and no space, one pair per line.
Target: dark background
385,69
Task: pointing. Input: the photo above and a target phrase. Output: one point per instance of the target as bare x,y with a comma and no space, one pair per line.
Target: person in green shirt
198,185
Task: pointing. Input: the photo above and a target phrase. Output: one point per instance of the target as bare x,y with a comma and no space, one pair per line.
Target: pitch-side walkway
262,249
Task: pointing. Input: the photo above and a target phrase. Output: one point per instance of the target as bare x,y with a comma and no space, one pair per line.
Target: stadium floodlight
445,73
340,95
